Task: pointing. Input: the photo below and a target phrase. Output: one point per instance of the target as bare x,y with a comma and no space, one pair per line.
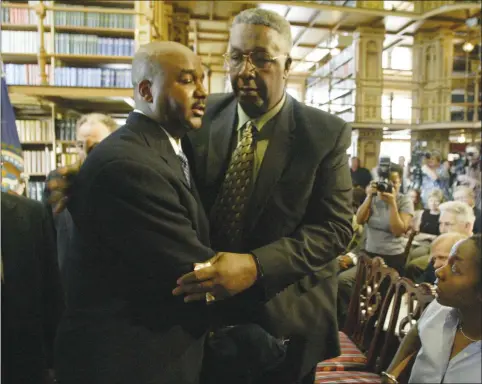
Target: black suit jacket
137,228
31,292
298,219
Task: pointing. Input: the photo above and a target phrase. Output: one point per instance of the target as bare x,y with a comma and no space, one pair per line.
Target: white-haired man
455,216
439,254
467,195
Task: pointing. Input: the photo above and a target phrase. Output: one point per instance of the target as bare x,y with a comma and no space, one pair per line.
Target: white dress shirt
176,144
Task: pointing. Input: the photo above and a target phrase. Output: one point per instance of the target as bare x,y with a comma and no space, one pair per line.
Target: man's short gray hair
260,16
461,210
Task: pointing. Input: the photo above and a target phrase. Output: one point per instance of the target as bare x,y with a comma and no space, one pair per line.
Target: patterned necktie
185,167
230,206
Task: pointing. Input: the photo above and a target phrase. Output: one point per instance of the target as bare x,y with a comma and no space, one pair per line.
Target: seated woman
387,217
447,338
428,222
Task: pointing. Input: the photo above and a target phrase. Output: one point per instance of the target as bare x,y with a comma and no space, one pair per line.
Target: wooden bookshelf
108,32
332,87
55,36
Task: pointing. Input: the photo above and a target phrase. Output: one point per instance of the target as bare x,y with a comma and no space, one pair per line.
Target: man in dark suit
138,225
32,300
295,219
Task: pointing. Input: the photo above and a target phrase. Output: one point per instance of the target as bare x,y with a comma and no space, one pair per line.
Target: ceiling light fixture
468,47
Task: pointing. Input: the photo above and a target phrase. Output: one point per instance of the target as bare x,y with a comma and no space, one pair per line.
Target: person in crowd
32,298
293,233
414,195
360,176
472,174
435,176
428,222
466,194
386,217
455,216
447,337
138,226
91,129
406,174
439,254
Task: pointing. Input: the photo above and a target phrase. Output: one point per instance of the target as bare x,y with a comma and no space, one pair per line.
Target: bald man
439,254
138,226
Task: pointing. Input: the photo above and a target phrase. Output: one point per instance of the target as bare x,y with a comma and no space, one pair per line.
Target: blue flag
11,156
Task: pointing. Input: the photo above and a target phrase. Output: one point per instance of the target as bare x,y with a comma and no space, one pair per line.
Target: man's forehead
252,36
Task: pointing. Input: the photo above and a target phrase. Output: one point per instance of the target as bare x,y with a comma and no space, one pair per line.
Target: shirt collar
175,144
261,121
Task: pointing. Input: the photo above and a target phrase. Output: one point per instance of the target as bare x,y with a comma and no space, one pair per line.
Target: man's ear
288,62
144,89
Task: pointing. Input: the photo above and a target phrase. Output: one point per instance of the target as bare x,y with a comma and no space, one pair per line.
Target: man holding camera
387,214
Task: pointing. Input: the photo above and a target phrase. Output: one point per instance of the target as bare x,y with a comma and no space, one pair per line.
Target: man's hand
345,262
229,274
60,185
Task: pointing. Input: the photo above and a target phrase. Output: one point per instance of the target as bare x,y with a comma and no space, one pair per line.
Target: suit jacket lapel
274,161
221,133
156,138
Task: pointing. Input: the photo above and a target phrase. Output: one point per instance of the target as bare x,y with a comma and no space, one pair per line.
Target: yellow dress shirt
261,141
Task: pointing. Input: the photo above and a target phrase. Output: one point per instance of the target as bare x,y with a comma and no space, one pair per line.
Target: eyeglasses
260,60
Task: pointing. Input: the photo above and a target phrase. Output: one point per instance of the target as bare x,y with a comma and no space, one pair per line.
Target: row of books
24,74
24,16
35,190
28,42
66,159
38,162
34,131
93,45
29,74
92,77
93,19
65,129
23,42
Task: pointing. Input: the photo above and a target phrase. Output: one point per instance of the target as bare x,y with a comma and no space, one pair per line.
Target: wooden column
42,54
368,73
368,146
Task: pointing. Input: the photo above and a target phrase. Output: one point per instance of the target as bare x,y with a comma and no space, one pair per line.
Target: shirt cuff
353,257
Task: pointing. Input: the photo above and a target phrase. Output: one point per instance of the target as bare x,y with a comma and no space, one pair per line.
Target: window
397,58
400,109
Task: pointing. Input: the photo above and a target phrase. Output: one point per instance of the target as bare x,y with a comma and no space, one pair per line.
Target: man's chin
195,123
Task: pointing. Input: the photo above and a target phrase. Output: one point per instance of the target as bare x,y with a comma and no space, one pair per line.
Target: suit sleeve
136,213
325,230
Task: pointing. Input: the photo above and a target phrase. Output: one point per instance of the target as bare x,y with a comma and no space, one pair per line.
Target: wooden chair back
374,291
408,303
411,235
364,266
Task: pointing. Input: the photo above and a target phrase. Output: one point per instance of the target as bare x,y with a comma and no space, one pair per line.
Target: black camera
384,169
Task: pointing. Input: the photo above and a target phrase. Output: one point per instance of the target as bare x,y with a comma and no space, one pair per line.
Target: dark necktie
185,167
232,200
